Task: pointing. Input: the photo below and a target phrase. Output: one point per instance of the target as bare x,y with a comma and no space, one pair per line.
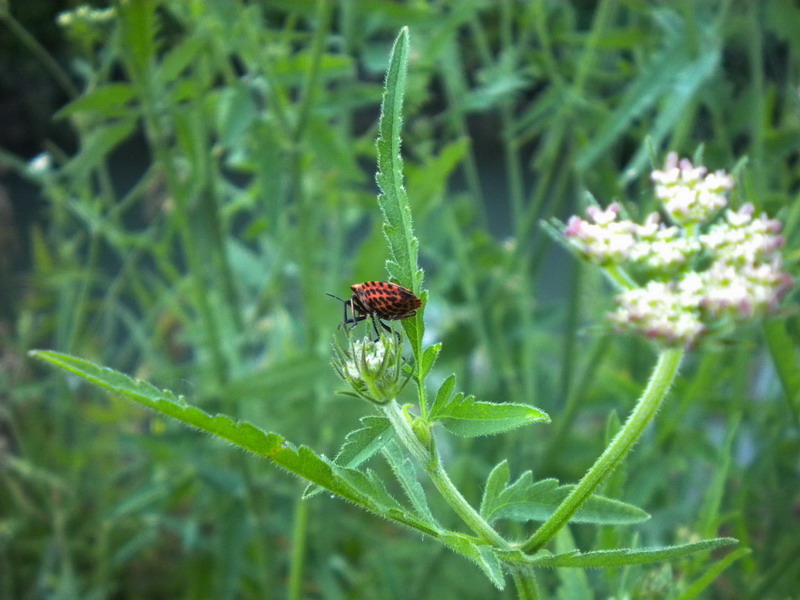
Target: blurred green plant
243,131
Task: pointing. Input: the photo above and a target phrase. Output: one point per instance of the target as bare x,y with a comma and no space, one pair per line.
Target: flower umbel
683,281
375,370
690,194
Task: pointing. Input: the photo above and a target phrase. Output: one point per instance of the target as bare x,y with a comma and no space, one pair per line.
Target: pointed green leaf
785,356
359,445
495,485
464,416
406,474
109,100
429,357
236,111
98,145
444,395
393,200
180,57
628,556
712,572
140,27
526,500
362,489
480,554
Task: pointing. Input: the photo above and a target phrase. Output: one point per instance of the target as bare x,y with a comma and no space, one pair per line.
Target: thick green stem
525,582
439,477
646,408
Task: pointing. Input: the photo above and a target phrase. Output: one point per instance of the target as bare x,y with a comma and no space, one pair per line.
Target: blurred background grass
209,175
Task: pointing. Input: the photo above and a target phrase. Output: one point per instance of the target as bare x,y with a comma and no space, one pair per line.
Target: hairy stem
660,381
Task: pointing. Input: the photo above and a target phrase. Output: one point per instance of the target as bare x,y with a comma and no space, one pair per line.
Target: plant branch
660,381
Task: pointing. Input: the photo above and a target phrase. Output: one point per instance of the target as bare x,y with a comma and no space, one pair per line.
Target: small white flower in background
693,278
40,163
85,14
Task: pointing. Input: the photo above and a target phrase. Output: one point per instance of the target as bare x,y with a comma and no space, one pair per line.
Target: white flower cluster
739,274
666,311
690,194
606,241
86,14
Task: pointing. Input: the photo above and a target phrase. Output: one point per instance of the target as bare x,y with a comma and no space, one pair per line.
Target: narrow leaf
406,474
108,100
393,200
787,361
444,395
98,145
526,500
359,445
429,357
480,554
360,488
699,586
495,485
464,416
628,556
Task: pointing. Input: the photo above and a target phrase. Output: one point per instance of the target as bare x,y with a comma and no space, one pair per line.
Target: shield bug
381,300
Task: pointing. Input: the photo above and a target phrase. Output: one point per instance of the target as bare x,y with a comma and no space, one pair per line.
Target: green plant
402,434
218,182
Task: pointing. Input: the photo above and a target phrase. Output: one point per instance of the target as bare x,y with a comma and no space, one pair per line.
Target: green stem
660,381
35,48
525,582
429,460
299,536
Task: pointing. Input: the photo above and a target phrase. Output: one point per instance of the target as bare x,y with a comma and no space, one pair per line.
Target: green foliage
464,416
619,558
529,500
216,183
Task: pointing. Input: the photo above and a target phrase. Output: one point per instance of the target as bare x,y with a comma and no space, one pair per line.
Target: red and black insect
380,300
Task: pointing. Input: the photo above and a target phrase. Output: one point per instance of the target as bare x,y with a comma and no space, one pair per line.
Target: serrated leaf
362,489
444,394
429,357
406,473
495,485
140,28
107,100
359,445
98,145
482,555
393,200
526,500
178,58
628,556
236,111
464,416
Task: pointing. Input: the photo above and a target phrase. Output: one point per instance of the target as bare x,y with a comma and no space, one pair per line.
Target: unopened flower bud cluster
373,369
676,301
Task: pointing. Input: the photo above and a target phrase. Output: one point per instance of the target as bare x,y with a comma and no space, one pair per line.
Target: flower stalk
646,407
